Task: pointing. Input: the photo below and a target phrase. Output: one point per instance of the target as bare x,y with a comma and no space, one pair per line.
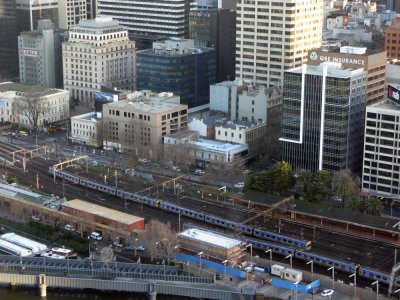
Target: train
286,246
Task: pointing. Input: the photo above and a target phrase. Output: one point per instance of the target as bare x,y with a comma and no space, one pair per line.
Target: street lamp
270,254
312,269
200,254
377,288
354,275
163,262
225,262
251,252
333,276
291,258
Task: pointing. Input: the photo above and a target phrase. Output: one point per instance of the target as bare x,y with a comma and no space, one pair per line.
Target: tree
282,176
160,238
344,185
374,206
179,154
304,180
354,204
31,107
320,187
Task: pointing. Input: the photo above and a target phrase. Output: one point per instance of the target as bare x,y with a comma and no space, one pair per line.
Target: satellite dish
106,254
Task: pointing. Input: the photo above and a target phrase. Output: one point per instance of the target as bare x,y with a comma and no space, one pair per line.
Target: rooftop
12,190
92,116
150,107
102,211
211,238
182,134
386,104
241,124
334,70
26,88
219,146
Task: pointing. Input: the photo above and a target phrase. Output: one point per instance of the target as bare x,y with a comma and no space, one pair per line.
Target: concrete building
323,117
272,37
70,12
8,40
140,126
157,70
29,12
98,53
215,28
91,9
252,134
392,39
372,61
37,57
21,103
166,18
381,165
87,129
213,246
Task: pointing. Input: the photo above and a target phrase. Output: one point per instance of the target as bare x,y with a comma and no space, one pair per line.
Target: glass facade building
323,117
8,40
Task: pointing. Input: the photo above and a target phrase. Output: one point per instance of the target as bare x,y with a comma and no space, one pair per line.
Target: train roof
209,237
13,190
102,211
24,242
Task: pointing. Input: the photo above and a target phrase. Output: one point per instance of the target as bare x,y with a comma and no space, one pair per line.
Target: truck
287,273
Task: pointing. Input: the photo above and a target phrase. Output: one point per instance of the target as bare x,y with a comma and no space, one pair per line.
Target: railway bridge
113,276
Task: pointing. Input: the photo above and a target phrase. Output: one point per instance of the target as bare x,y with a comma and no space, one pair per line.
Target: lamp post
225,262
200,254
312,269
377,288
251,252
291,259
333,276
140,267
354,275
163,262
270,254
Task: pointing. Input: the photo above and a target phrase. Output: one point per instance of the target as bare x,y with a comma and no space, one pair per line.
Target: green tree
374,206
354,203
282,176
344,186
263,181
319,189
304,180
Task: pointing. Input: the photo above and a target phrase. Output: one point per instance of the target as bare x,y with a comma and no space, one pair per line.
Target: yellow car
23,133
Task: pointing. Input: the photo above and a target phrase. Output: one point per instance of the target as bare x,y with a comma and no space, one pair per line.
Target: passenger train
269,238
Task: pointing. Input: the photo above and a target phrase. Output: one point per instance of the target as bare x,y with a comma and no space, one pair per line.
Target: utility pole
37,181
116,178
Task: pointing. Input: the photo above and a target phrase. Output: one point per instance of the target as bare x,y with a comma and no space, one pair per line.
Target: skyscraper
273,36
29,12
70,12
8,40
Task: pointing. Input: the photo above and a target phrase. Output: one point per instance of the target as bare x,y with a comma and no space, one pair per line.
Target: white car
327,292
239,185
141,248
175,168
198,172
69,227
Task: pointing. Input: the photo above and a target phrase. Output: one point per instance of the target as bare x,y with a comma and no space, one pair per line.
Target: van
69,227
96,236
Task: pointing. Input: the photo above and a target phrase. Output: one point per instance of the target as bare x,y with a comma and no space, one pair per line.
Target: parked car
175,168
239,185
327,292
140,248
69,227
199,172
35,218
96,236
23,133
143,160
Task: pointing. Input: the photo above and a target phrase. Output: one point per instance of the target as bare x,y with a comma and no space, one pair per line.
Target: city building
215,28
166,18
381,165
98,53
141,125
393,5
32,106
91,9
70,12
372,61
37,57
392,39
157,70
29,12
272,37
8,40
102,215
205,125
87,129
323,117
252,134
212,246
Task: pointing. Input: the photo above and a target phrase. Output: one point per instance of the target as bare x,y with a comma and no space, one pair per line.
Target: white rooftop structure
218,146
334,69
33,246
210,238
353,50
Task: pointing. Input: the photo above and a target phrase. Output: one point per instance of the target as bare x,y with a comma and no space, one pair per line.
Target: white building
87,129
20,102
381,164
98,53
70,12
272,36
37,55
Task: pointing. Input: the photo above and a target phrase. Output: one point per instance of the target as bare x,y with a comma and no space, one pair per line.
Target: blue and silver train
270,240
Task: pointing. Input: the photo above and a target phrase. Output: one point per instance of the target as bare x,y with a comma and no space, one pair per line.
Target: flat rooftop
218,146
387,104
92,116
26,88
334,70
102,211
15,191
149,107
208,237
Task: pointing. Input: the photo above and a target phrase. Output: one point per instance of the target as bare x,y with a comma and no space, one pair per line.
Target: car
175,168
239,185
96,236
140,248
23,133
35,218
143,160
69,227
199,172
118,245
327,292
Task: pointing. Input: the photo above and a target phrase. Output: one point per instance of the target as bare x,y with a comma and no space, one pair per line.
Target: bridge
114,276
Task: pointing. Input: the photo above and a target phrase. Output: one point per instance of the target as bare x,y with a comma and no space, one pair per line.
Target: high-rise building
168,18
37,55
273,36
392,39
177,66
29,12
8,40
98,53
70,12
373,61
91,9
323,117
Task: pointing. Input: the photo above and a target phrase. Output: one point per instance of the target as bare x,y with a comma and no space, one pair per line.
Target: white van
96,236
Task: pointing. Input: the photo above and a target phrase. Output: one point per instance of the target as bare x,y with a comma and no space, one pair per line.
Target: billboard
394,93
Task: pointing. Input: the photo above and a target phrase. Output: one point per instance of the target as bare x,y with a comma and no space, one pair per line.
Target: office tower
372,61
323,117
29,12
70,12
215,28
91,9
168,18
98,53
8,40
392,39
381,165
176,66
37,55
273,36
